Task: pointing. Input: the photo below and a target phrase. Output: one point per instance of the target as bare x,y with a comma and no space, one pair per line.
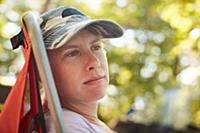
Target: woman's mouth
95,80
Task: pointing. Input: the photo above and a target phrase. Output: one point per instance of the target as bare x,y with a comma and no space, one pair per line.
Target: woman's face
80,68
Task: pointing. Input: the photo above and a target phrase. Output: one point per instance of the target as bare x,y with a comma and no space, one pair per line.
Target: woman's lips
95,80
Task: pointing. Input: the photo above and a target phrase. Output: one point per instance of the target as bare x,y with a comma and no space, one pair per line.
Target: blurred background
154,67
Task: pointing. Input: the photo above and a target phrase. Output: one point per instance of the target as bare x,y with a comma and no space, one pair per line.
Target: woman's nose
92,62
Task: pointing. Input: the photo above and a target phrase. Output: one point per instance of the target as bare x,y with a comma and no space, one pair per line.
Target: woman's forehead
83,37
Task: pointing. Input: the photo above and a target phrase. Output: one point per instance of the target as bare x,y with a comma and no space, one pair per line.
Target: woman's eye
96,47
72,53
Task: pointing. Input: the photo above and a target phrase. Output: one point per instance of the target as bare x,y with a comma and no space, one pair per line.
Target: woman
79,65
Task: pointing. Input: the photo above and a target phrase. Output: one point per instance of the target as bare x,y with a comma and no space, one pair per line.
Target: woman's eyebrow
77,46
71,46
96,40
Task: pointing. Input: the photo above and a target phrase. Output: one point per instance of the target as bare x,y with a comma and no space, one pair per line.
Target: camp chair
13,118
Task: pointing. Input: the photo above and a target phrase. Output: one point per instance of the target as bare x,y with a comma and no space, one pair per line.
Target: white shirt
74,123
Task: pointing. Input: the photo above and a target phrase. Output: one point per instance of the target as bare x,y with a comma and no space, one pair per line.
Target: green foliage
154,67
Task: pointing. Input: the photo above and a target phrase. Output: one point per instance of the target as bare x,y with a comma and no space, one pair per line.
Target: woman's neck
89,110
